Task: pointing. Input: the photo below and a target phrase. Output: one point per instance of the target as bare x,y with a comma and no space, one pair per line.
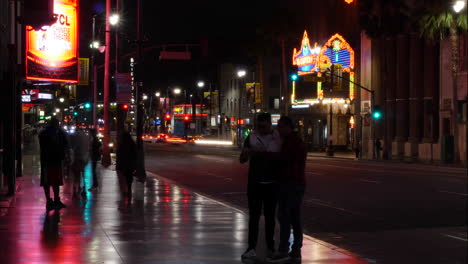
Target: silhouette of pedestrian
79,145
262,182
54,147
126,160
291,192
378,148
95,153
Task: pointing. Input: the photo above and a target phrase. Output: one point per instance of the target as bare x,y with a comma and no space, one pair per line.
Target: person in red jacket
292,184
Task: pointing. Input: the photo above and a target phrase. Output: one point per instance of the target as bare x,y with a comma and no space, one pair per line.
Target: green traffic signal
376,112
294,77
75,113
87,105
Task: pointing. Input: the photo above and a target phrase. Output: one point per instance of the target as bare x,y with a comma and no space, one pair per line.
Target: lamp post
458,6
110,20
241,74
201,84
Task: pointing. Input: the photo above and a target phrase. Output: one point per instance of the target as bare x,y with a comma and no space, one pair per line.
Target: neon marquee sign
336,51
51,53
306,57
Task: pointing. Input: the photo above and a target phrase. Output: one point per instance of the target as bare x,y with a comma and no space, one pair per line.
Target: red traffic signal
168,116
186,118
125,107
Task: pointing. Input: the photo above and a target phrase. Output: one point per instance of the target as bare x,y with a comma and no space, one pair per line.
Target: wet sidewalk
170,225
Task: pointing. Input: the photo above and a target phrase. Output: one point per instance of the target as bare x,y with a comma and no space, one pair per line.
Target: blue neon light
342,57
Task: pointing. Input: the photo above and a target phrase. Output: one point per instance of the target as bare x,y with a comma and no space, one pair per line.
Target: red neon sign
51,53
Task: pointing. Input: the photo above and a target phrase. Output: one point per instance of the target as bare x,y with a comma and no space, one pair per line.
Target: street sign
123,83
83,71
254,92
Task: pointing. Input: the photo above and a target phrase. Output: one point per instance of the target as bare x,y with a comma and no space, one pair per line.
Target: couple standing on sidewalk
55,150
276,179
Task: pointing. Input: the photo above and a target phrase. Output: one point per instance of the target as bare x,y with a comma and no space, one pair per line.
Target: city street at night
253,132
386,212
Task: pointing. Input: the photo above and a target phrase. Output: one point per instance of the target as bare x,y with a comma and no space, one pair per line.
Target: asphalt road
384,212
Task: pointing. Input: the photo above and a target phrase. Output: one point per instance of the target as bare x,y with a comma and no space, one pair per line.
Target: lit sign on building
51,53
306,57
25,98
336,57
45,96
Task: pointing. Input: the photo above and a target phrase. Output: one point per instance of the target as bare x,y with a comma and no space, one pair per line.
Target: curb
245,212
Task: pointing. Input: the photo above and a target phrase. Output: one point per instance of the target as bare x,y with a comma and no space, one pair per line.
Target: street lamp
241,73
145,97
62,99
177,90
458,6
95,44
201,84
157,94
114,19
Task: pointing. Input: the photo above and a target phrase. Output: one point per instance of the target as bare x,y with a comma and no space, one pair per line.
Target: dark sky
229,26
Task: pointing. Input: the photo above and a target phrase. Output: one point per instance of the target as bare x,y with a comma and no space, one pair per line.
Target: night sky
229,27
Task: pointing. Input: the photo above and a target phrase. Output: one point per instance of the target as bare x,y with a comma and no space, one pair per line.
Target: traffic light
75,113
87,105
186,118
376,112
294,77
125,107
168,116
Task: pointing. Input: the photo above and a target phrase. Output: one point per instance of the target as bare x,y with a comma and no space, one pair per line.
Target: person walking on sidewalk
53,150
95,153
262,186
126,161
291,192
79,145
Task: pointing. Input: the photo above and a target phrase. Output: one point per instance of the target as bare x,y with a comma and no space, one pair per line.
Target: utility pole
140,171
106,159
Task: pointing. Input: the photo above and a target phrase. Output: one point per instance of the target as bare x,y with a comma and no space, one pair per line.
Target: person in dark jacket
262,182
291,192
95,153
54,147
126,160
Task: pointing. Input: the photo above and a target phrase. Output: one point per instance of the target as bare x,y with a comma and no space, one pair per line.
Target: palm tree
438,21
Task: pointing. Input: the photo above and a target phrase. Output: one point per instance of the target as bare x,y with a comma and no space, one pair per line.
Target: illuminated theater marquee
51,53
315,62
306,57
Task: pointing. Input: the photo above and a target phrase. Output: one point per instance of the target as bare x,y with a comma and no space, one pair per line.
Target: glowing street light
145,97
157,94
241,73
201,84
177,91
62,99
458,6
114,19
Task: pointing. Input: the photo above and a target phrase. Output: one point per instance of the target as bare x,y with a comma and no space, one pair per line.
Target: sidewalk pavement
170,225
336,154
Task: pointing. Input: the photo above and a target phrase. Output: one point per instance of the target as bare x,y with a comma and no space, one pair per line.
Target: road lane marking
369,181
462,194
457,238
